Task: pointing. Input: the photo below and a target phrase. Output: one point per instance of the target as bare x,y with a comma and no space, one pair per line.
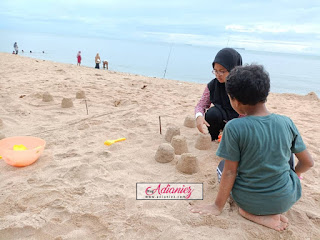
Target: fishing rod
165,70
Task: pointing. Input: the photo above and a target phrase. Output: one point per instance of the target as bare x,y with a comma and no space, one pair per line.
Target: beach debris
179,143
165,153
188,163
203,142
171,132
22,96
110,142
66,103
190,122
116,103
47,97
80,94
144,86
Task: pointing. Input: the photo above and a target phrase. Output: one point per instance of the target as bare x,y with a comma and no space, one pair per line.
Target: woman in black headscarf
215,93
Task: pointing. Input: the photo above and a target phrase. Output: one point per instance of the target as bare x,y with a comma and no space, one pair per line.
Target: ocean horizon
289,73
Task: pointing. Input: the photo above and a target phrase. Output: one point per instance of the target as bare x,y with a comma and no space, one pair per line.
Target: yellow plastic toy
110,142
20,147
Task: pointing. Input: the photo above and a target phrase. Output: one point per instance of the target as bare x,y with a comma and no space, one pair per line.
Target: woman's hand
200,121
206,209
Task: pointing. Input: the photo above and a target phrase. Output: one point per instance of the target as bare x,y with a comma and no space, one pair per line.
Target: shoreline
81,188
153,73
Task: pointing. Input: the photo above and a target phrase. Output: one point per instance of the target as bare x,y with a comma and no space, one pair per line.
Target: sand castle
165,153
179,143
47,97
80,94
171,132
190,122
66,103
203,142
188,163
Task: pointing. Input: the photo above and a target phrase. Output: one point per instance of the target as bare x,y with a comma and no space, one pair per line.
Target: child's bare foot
206,209
277,222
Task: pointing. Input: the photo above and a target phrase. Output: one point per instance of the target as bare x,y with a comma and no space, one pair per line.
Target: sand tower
66,103
47,97
188,163
80,94
190,122
165,153
171,132
179,143
203,142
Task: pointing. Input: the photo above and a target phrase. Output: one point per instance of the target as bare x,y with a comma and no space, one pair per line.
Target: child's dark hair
248,84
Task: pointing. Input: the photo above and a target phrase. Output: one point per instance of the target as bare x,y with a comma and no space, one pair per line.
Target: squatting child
256,149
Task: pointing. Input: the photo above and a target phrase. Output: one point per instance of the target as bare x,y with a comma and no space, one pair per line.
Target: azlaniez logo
169,191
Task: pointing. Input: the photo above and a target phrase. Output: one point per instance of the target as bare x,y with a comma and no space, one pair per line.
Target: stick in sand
86,105
160,124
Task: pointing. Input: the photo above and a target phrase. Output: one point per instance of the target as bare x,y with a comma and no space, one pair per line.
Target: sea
289,73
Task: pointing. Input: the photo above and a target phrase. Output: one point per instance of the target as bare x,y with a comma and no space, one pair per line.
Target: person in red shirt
79,58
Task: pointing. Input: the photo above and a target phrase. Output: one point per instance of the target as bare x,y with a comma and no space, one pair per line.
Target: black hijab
228,58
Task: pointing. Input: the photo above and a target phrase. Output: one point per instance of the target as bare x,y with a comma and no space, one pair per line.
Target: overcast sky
281,25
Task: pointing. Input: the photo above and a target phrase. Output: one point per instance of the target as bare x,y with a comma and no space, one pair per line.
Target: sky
268,25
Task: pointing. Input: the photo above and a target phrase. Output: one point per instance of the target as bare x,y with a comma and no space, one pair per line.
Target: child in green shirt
256,149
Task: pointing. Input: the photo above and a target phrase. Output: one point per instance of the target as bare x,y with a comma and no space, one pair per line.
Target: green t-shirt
265,184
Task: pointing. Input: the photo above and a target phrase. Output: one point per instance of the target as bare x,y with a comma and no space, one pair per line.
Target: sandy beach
82,189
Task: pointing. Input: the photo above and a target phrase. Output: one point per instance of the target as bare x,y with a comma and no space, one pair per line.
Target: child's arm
305,162
227,180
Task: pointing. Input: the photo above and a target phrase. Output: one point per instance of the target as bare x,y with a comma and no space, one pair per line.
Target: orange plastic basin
34,145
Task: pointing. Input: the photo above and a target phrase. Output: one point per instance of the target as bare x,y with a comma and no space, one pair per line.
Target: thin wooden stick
86,106
160,124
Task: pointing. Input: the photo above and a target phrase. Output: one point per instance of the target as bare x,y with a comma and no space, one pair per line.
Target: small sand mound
203,142
165,153
179,143
171,132
190,122
312,96
66,103
80,94
47,97
188,164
